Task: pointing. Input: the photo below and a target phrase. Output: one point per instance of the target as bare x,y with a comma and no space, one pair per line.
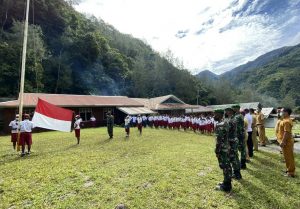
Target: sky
215,35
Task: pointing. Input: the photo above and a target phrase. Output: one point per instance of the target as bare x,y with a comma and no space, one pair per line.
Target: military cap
236,106
219,111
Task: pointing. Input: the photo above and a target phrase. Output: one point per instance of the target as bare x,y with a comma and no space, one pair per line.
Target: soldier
240,134
260,123
233,143
14,125
110,124
222,150
254,130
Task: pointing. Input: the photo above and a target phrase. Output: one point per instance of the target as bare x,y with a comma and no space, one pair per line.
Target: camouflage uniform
241,136
110,125
233,144
222,150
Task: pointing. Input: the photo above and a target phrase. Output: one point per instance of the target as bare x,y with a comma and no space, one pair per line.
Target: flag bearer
14,125
77,125
26,127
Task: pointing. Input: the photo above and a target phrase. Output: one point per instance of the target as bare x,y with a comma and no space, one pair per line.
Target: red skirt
14,137
25,138
77,132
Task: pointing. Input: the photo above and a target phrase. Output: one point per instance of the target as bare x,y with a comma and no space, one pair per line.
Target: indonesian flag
51,117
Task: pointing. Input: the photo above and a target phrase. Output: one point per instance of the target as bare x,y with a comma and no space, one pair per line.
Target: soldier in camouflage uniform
222,150
240,134
233,144
110,124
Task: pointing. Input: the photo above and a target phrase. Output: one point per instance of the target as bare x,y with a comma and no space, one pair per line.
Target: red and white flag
52,117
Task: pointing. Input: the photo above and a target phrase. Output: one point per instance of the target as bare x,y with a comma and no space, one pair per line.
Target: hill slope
276,74
69,53
207,75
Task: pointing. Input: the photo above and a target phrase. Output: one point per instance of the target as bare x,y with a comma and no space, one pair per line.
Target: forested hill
276,74
69,53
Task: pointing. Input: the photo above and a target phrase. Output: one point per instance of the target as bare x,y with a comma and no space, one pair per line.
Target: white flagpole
23,67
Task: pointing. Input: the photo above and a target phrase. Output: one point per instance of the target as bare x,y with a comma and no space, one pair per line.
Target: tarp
136,110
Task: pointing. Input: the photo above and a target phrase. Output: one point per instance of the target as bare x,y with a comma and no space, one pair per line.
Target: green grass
161,169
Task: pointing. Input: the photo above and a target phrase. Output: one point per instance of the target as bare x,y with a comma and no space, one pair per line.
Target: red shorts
14,137
140,126
77,132
25,138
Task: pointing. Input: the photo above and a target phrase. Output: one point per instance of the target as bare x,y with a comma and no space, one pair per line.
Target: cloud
214,35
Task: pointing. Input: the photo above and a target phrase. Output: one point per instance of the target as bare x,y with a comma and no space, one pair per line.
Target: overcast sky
215,35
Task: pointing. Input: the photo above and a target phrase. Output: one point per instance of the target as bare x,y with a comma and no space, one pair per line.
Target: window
85,113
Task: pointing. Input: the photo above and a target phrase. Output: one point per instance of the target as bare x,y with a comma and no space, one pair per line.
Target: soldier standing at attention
222,150
287,142
233,144
14,125
110,124
260,123
240,134
254,130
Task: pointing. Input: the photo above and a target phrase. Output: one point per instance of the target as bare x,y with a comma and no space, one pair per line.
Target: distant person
287,142
26,127
110,124
260,123
222,150
249,130
140,124
93,121
133,121
77,126
279,120
145,120
14,125
127,125
254,130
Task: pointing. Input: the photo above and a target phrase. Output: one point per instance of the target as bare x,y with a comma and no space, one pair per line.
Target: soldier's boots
237,175
243,164
224,186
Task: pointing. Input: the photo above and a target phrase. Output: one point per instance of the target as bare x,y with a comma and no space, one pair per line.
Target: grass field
161,169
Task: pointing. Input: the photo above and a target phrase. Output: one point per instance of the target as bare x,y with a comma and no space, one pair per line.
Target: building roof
68,100
161,103
243,106
136,110
200,109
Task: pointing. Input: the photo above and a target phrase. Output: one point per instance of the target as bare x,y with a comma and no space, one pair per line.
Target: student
140,124
145,120
26,127
77,124
93,121
127,125
14,125
287,142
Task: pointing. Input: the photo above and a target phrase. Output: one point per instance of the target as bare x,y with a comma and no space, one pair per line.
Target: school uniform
14,125
77,127
26,127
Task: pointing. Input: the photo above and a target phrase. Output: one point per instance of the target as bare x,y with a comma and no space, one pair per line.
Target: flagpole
23,68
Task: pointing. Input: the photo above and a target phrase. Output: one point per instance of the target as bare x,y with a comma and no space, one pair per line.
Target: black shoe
237,175
225,187
243,164
22,154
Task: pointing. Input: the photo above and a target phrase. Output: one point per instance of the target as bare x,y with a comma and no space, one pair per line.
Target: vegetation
157,170
70,53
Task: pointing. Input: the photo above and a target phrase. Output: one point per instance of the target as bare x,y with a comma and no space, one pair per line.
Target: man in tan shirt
254,130
260,123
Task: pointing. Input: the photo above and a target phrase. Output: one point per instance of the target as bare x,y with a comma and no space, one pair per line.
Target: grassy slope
161,169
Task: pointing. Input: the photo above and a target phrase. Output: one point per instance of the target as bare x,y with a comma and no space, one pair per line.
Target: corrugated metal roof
267,111
68,100
200,109
136,110
243,105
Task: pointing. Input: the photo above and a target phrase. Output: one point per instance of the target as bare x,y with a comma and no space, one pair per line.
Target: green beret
219,111
236,106
228,109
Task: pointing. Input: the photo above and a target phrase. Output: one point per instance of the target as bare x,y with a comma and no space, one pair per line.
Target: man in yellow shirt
260,123
287,142
279,119
254,130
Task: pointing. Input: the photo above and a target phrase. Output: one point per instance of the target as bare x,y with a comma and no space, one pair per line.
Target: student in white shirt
77,125
140,124
14,125
26,127
249,119
127,125
93,121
